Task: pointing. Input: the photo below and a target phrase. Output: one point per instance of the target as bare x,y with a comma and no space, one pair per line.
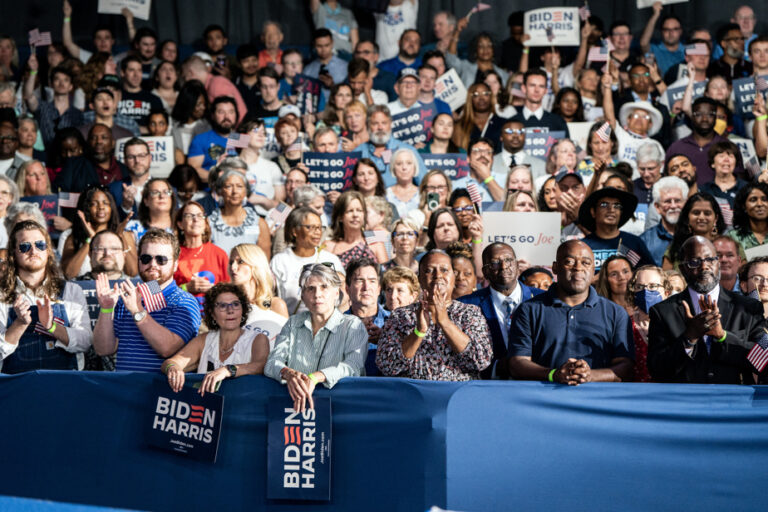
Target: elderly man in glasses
703,334
44,322
148,323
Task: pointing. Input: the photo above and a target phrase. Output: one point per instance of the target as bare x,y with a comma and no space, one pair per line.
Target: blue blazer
482,299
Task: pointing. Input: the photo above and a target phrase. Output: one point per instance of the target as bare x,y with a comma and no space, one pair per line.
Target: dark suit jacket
482,299
726,362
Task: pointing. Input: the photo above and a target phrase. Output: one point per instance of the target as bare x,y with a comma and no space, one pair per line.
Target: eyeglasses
758,280
436,188
483,93
697,262
312,227
482,151
226,306
193,216
461,209
641,116
706,113
499,264
514,131
404,234
158,193
40,245
605,205
107,250
146,259
140,156
654,287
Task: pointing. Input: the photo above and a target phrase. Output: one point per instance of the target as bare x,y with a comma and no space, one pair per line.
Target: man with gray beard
704,333
382,145
669,195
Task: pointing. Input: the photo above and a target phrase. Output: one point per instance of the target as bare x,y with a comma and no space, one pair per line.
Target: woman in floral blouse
435,338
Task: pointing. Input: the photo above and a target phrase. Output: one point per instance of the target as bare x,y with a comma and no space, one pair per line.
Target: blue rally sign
186,423
454,165
299,450
414,125
331,171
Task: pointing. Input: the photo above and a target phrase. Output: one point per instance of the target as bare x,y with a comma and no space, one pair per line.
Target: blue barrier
400,445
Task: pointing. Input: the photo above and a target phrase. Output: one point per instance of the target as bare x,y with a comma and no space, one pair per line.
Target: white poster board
451,90
579,133
534,236
642,4
564,22
747,147
754,252
163,159
139,8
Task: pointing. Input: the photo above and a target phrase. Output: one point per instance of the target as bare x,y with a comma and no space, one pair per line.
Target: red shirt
206,257
217,86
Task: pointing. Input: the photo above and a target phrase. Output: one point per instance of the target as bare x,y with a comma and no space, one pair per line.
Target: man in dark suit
499,300
533,114
703,334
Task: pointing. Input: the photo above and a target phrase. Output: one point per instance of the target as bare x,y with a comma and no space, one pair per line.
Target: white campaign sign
451,90
747,147
579,132
641,4
534,236
754,252
564,22
163,159
139,8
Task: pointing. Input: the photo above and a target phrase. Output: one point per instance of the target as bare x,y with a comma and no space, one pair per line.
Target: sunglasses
146,259
40,245
309,266
460,209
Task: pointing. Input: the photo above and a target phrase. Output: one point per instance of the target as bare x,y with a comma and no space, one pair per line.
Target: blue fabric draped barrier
400,445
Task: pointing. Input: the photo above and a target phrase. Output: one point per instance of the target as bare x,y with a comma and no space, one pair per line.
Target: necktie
509,306
512,161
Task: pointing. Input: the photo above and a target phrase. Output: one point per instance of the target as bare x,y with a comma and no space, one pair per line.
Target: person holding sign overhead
44,323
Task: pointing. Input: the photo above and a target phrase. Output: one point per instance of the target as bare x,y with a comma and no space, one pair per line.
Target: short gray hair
650,151
667,183
305,194
323,272
449,16
17,209
374,109
12,185
224,176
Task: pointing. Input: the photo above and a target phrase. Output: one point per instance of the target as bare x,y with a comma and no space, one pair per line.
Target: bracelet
53,328
762,117
418,333
183,287
725,335
168,367
313,378
67,19
477,241
488,180
88,240
32,72
526,51
106,311
551,374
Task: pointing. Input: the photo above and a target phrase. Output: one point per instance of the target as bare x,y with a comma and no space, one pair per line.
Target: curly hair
79,232
210,303
741,222
54,282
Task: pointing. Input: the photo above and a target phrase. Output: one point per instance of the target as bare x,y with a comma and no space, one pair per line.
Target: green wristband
551,374
488,180
477,241
725,335
53,328
418,333
106,310
762,117
313,378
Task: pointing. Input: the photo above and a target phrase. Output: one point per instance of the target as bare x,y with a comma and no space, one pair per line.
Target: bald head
570,247
194,68
692,244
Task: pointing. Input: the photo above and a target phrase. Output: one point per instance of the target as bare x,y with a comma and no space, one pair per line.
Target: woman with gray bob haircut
320,345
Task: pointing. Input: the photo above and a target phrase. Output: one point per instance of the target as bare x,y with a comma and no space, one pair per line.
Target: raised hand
21,306
106,295
45,312
88,226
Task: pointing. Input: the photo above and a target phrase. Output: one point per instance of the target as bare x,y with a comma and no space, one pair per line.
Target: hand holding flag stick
477,8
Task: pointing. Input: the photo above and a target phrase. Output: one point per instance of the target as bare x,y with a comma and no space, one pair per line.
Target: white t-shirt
379,98
263,177
241,352
628,144
391,24
5,165
265,321
286,267
184,133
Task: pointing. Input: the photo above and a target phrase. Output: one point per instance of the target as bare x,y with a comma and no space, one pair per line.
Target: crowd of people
245,266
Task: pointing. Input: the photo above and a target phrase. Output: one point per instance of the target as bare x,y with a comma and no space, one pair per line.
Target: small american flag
753,167
550,33
151,296
696,49
632,256
604,132
37,38
68,199
726,210
479,7
372,237
758,356
279,213
297,145
600,53
42,330
474,193
761,84
237,140
386,156
585,12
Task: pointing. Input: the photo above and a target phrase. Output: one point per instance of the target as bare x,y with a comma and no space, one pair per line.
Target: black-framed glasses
40,245
146,259
226,306
460,209
158,193
310,227
499,264
698,262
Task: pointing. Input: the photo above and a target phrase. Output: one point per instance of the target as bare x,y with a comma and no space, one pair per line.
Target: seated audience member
32,180
568,105
519,178
156,209
478,119
501,97
650,159
441,141
28,129
249,269
602,147
613,279
382,80
265,179
9,143
753,280
750,215
723,157
303,234
348,223
605,211
45,323
136,102
498,301
187,184
454,346
272,38
512,153
333,115
128,191
537,277
327,67
703,334
18,211
571,335
569,194
480,163
676,281
404,195
355,119
700,216
482,56
446,227
364,288
142,338
520,201
434,191
107,255
401,287
227,350
428,76
409,48
206,148
367,179
269,104
165,79
533,115
344,348
96,211
730,254
303,195
669,195
198,255
194,68
97,167
158,123
405,235
463,264
188,117
407,89
648,287
104,100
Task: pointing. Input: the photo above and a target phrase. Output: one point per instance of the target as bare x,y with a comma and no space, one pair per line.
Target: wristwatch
232,370
138,317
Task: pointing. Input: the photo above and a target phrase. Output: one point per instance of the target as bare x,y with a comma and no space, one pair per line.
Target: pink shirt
219,86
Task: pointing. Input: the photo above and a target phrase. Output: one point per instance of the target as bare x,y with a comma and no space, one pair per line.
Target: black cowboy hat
628,204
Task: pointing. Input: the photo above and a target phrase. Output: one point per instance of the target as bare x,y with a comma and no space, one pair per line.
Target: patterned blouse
361,250
435,359
227,237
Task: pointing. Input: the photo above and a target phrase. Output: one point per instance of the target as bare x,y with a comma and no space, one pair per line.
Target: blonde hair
21,176
359,106
511,201
261,275
380,205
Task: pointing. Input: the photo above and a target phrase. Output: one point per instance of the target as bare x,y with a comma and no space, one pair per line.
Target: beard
672,217
32,265
106,265
380,138
706,282
219,128
155,275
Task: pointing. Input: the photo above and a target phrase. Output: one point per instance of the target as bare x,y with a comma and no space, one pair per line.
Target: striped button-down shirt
338,349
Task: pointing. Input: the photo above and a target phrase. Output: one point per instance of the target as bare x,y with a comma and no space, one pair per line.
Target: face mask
645,299
720,126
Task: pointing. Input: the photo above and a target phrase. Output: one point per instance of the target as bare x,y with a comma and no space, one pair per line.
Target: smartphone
221,61
324,70
433,201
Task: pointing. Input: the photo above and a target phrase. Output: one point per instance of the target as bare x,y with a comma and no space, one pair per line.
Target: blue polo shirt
181,316
550,332
657,239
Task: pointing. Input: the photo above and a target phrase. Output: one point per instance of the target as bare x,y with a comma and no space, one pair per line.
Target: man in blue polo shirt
206,148
570,334
143,340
